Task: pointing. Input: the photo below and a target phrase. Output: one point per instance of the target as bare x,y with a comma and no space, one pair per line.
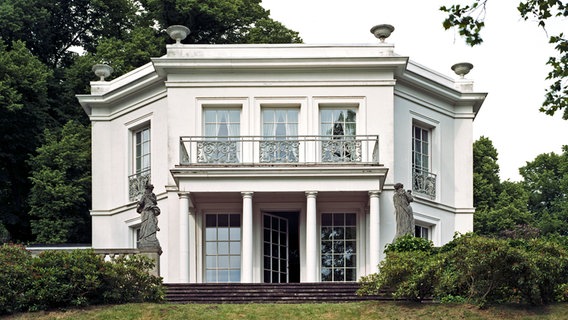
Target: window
423,181
141,166
338,130
338,247
223,247
422,232
280,135
221,128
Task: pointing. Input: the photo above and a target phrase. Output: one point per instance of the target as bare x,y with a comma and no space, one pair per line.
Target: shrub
60,279
65,279
127,280
408,270
15,278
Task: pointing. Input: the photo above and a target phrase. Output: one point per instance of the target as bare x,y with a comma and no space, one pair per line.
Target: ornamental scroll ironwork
137,184
217,152
279,151
424,182
341,150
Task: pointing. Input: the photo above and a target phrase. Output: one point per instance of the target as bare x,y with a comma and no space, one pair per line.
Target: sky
509,65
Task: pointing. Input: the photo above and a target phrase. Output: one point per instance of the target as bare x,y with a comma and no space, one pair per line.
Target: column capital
374,193
311,194
247,194
183,194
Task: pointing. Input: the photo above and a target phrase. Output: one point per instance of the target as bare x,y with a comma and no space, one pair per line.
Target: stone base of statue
154,254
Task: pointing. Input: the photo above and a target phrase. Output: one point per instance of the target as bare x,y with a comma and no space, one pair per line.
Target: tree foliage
486,181
546,181
469,21
47,50
61,179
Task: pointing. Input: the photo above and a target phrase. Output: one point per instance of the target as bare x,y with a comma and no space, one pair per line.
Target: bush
476,269
65,279
408,270
128,280
58,279
15,278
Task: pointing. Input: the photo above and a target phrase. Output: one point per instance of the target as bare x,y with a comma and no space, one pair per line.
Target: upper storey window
141,168
221,128
338,128
280,135
423,180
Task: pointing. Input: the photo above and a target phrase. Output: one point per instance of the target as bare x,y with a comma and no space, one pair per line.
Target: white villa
276,163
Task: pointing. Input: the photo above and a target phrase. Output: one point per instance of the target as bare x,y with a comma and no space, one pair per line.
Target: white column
246,241
374,225
311,238
192,246
183,237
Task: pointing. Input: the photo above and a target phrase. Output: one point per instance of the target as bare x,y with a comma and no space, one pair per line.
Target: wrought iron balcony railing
424,182
279,150
137,183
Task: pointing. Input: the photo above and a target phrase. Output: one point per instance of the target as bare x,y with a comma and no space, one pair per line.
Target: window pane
223,234
326,219
223,262
211,248
235,234
211,220
235,220
223,220
223,247
235,247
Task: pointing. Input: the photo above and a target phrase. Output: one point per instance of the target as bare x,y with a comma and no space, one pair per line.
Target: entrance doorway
281,247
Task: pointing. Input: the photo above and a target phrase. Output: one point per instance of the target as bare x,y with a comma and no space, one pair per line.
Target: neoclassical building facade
276,163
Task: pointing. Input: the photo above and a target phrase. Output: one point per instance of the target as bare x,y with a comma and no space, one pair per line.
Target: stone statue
403,211
147,207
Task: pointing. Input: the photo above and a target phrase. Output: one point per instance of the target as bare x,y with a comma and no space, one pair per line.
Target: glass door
275,249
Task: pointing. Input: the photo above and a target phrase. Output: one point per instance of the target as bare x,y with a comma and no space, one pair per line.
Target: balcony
424,182
137,184
297,150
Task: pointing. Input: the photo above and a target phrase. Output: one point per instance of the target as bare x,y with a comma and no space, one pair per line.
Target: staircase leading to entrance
266,293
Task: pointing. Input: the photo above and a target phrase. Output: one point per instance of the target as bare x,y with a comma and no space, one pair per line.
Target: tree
214,21
486,181
23,116
469,20
60,197
546,180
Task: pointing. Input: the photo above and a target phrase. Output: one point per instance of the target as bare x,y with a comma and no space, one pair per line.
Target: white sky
509,65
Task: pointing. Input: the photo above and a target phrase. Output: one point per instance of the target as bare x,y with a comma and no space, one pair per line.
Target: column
246,241
192,246
374,225
312,238
183,237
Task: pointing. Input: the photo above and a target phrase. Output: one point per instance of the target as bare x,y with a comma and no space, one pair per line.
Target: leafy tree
469,20
214,21
546,180
61,179
23,117
486,181
509,215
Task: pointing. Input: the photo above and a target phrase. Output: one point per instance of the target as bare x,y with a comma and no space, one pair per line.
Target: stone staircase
266,293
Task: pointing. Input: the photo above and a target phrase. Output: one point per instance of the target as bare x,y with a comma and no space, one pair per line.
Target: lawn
360,310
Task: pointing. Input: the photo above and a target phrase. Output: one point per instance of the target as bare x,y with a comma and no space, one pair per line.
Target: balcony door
221,128
279,135
281,259
338,130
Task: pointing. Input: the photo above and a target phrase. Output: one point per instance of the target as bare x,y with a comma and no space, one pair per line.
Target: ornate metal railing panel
424,182
220,151
137,183
341,150
279,150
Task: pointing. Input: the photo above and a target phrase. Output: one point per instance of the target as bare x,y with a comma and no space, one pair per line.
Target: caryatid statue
403,211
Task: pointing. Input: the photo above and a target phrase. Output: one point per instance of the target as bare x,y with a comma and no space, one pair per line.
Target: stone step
266,293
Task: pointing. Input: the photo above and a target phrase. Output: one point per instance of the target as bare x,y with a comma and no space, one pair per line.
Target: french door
275,249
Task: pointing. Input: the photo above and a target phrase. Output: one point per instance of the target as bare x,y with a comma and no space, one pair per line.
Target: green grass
360,310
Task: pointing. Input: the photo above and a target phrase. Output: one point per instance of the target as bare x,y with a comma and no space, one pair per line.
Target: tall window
142,150
141,167
420,148
338,247
423,180
338,128
280,135
222,128
223,247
